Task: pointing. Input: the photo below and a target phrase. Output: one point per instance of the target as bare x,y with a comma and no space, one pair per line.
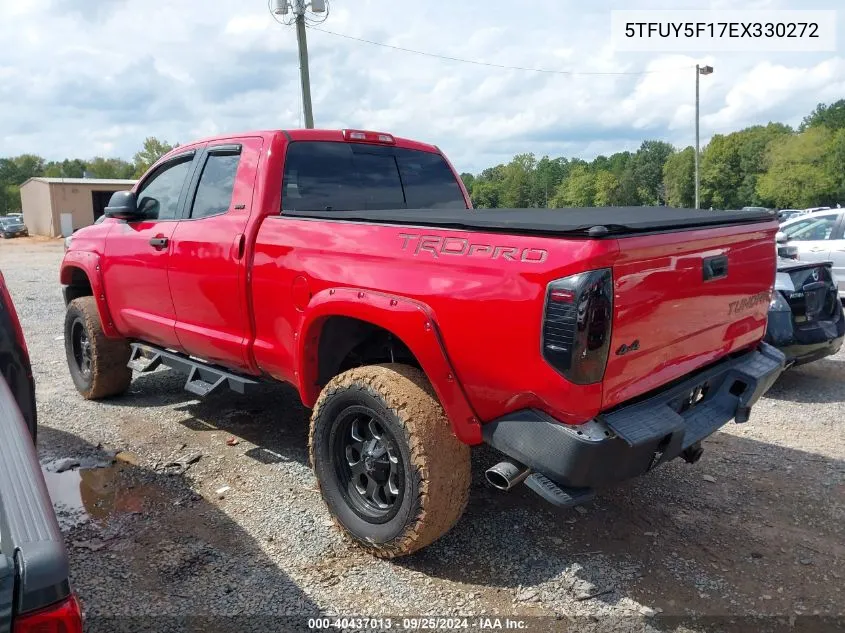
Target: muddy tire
389,467
97,364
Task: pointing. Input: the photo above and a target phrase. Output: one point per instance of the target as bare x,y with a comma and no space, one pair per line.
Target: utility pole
304,77
281,7
699,70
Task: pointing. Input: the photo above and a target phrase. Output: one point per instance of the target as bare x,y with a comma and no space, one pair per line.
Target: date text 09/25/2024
418,624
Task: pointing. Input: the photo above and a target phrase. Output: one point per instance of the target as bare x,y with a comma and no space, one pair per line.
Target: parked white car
788,214
819,237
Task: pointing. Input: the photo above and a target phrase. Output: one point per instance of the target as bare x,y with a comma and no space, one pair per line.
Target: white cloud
767,86
98,76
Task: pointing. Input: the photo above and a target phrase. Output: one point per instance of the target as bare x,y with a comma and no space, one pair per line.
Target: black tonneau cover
575,222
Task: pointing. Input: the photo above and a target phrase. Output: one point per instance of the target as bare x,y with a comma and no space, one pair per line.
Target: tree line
764,165
16,170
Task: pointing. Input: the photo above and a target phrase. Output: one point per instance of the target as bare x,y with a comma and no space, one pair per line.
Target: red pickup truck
587,345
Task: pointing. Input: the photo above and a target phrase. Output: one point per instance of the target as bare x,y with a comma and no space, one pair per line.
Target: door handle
238,246
715,267
158,243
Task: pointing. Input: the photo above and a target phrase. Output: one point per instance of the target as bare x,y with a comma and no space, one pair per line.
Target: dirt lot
756,529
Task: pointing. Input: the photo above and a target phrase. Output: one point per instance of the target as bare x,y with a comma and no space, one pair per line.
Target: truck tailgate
683,300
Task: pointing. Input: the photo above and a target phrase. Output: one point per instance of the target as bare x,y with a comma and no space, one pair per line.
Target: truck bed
486,289
570,222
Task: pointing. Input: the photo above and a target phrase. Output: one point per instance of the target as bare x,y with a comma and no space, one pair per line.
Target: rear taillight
64,617
6,302
576,325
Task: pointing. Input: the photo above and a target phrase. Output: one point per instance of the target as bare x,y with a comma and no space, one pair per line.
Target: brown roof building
58,206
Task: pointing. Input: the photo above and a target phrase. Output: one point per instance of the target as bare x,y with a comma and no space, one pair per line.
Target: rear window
328,176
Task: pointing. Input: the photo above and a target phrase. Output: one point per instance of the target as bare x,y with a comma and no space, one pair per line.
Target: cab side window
217,182
812,229
158,197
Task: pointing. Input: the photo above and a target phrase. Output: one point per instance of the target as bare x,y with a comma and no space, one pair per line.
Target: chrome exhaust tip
506,475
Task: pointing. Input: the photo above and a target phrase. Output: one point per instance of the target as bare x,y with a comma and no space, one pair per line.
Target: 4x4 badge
624,349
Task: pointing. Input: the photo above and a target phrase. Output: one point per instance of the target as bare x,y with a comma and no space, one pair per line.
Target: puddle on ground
99,493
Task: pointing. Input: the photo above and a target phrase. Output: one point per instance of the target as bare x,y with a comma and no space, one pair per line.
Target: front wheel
389,467
97,364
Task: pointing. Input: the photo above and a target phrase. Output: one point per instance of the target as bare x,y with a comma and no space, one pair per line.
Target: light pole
281,7
699,70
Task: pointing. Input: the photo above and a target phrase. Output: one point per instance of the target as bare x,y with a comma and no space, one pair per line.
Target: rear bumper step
633,439
559,496
203,378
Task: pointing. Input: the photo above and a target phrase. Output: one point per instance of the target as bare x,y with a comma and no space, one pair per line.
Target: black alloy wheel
81,345
368,464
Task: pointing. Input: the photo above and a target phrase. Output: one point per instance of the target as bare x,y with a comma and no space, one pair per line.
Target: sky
80,78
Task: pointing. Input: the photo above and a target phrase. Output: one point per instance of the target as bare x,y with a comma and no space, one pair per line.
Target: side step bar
203,379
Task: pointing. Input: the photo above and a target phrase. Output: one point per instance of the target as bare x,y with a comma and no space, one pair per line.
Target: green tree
600,163
10,199
752,159
14,172
548,174
578,190
628,191
619,162
679,178
100,167
606,187
518,181
18,169
152,150
837,160
831,116
720,173
648,170
487,188
467,179
802,171
68,168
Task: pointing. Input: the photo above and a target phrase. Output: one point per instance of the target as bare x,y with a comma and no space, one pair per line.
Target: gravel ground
754,530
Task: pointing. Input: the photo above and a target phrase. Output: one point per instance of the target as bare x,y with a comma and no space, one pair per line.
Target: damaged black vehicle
806,320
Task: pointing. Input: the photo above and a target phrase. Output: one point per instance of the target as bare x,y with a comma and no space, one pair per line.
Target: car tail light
64,617
6,303
576,325
363,136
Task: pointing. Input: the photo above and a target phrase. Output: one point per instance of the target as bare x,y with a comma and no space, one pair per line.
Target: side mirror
781,237
123,206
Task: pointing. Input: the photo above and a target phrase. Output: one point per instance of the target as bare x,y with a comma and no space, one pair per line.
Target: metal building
58,206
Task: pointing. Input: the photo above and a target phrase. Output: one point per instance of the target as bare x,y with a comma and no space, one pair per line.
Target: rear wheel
97,364
389,467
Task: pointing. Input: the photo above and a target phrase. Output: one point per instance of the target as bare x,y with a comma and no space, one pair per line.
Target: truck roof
317,135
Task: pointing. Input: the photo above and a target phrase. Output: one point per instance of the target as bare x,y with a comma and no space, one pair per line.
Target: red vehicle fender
89,263
412,323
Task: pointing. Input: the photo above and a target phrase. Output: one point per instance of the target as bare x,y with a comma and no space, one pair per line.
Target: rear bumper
632,439
807,342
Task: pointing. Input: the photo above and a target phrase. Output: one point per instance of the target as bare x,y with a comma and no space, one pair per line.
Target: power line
492,65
